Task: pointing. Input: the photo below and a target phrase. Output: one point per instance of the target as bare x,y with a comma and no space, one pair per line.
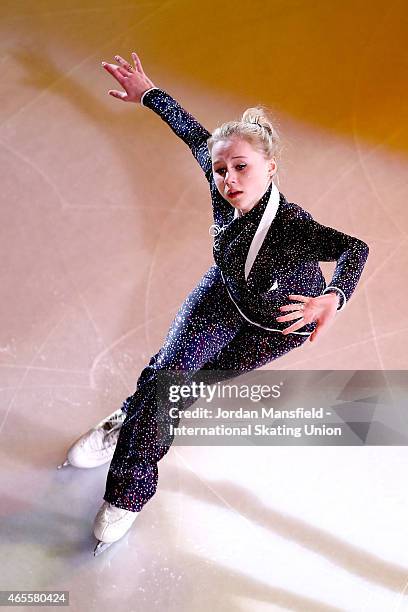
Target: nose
229,178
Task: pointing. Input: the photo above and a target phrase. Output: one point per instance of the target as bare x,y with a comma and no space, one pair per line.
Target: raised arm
140,89
184,125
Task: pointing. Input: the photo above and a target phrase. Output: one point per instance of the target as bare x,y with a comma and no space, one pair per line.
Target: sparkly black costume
228,322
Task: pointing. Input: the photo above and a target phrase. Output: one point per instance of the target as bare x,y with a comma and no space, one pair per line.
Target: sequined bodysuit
227,325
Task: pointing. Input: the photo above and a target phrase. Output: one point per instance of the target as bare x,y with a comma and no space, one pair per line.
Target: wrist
145,92
339,292
335,297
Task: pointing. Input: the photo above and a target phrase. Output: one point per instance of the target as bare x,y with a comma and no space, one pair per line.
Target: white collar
262,229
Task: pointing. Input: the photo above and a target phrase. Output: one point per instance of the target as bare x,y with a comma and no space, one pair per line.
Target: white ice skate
97,445
111,523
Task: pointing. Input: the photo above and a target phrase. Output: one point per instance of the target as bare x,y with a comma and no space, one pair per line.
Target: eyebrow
217,161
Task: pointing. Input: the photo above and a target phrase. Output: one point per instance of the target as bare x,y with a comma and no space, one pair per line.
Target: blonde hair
256,127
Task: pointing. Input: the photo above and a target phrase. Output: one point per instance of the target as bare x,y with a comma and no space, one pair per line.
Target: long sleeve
324,243
184,125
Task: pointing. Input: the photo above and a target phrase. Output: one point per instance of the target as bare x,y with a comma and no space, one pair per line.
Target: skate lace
112,421
107,431
111,437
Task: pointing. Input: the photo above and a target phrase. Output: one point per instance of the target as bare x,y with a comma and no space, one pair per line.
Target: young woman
264,296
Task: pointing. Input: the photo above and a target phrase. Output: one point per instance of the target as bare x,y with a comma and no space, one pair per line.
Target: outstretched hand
132,78
321,309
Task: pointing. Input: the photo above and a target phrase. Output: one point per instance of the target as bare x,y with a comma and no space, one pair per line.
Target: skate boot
111,523
97,445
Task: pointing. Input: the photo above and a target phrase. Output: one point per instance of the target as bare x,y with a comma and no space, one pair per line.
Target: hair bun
266,126
259,115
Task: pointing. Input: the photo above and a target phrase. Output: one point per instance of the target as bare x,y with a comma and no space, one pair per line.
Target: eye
222,170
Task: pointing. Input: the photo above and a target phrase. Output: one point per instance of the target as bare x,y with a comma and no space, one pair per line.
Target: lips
232,194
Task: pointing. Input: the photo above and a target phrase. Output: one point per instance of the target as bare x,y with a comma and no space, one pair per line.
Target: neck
241,213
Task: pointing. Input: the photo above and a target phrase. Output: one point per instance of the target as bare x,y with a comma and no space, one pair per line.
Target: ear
273,167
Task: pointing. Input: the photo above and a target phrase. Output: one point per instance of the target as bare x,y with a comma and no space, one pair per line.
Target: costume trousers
208,333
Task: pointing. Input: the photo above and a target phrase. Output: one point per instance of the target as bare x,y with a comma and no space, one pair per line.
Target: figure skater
266,253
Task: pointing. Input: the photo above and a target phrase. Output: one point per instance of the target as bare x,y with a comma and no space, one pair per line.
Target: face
238,167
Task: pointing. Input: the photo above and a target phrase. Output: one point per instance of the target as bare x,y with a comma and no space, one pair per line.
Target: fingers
125,72
290,307
110,67
118,94
124,63
119,72
294,327
124,67
315,335
320,329
137,61
289,317
116,71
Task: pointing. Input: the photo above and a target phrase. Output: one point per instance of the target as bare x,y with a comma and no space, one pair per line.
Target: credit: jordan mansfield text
241,413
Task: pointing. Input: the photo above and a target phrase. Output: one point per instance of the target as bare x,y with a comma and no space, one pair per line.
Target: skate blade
66,462
101,547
